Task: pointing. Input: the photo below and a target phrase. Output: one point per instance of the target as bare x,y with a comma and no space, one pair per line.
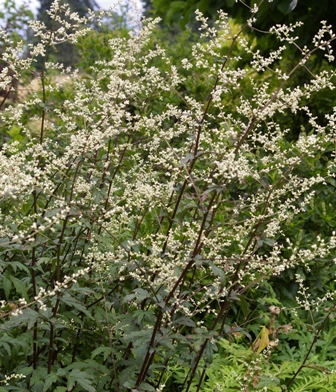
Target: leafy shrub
146,222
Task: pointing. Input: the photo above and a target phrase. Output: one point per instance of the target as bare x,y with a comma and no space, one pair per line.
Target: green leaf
6,346
20,287
106,241
186,159
185,321
101,350
7,286
31,316
175,7
37,377
141,294
244,305
218,272
49,380
80,378
17,265
128,298
70,301
146,387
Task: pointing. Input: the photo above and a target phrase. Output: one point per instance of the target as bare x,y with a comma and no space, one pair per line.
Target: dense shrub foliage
163,228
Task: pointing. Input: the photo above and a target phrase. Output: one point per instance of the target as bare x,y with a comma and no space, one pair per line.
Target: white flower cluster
140,179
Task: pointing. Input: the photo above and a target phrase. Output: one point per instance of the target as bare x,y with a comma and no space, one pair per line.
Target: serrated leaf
70,301
218,271
101,350
128,298
37,377
17,265
31,316
186,159
80,378
103,240
185,321
7,286
49,380
141,294
20,287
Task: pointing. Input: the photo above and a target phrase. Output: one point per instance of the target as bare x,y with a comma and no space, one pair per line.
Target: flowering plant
142,219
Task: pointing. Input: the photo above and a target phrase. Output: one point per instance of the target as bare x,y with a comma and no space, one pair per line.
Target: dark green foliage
65,53
278,11
157,237
79,6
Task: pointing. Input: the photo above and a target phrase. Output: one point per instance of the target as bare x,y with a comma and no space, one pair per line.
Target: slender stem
290,382
149,355
51,342
33,276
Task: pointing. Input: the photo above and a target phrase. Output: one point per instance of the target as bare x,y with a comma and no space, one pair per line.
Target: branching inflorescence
140,211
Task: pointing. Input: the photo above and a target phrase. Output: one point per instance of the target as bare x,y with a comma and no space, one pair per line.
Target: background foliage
167,217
